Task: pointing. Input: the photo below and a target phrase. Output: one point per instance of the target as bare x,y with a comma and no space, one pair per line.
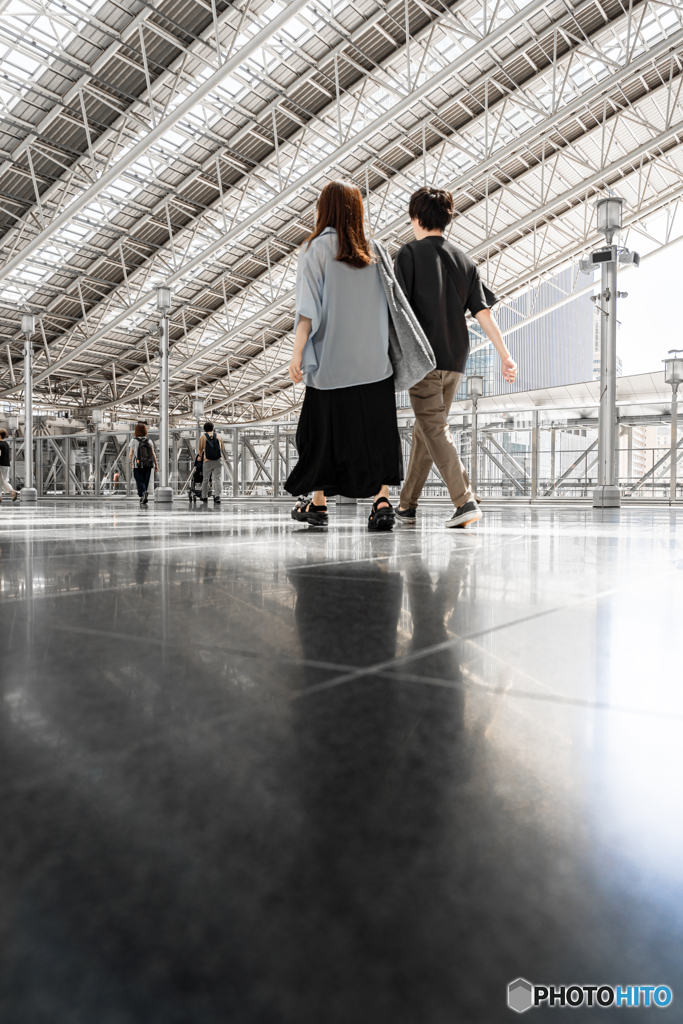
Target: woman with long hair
142,459
347,438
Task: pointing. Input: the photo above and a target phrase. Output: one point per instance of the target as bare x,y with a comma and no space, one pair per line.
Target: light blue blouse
349,339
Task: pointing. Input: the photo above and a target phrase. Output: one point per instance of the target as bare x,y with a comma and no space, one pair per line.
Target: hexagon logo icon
520,995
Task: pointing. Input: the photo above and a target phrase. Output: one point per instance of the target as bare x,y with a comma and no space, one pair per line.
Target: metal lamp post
163,494
198,412
673,375
29,494
475,390
609,212
97,416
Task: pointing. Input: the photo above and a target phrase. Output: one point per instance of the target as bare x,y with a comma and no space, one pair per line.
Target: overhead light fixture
28,325
164,299
610,214
475,386
673,367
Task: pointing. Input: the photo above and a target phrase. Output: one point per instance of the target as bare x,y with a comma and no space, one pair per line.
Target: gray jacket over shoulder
410,353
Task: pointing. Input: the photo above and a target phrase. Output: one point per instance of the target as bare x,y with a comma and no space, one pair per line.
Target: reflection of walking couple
365,328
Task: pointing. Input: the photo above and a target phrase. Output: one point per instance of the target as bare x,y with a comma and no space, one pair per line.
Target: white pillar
29,494
163,494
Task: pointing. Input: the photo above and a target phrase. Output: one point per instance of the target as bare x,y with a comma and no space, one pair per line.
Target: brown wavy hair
340,206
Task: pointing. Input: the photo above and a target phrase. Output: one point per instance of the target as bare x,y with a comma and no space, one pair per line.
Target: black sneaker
467,513
406,515
216,501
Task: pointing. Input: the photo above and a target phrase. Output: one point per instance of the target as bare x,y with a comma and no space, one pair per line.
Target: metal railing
542,462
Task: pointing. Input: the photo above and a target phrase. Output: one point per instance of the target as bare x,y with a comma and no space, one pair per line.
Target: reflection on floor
257,773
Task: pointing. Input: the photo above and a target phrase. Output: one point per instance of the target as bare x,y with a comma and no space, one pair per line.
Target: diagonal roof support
137,151
462,61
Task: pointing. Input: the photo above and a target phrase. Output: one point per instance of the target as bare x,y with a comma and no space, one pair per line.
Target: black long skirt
348,441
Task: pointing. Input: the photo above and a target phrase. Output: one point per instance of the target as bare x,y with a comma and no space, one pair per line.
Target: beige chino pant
431,400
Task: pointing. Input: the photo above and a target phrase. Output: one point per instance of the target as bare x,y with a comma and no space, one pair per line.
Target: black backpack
145,457
212,451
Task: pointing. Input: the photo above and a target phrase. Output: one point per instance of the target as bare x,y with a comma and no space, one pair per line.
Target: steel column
39,467
674,441
96,460
276,462
607,494
29,494
535,431
235,462
128,467
474,448
163,493
552,461
67,466
174,462
629,457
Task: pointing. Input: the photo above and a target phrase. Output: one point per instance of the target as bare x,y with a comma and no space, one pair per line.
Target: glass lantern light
164,299
198,408
475,386
97,416
609,212
28,325
673,367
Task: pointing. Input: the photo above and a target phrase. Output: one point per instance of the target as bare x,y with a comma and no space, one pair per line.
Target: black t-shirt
4,453
439,298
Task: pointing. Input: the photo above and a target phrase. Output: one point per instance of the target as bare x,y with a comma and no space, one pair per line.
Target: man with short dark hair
441,282
5,463
211,452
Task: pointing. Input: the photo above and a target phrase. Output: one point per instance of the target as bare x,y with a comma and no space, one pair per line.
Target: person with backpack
5,463
142,459
441,282
211,452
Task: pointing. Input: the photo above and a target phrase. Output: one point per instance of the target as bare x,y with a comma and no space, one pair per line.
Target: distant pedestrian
5,463
211,451
143,460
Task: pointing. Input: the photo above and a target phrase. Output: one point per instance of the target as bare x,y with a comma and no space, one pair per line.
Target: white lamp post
198,412
475,390
163,493
609,212
97,416
29,494
673,375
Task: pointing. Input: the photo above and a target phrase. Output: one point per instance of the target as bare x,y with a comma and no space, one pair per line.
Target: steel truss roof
186,141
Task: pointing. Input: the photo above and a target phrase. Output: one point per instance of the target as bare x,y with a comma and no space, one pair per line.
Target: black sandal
306,512
382,518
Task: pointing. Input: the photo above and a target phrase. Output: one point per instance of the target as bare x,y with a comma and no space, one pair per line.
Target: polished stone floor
252,773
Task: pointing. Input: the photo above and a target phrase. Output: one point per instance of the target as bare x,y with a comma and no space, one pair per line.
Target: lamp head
164,299
97,416
198,408
609,212
673,367
475,386
28,325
